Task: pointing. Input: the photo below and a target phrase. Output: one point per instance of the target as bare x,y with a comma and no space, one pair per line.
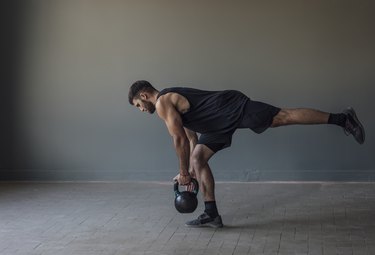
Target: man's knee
197,161
283,117
200,157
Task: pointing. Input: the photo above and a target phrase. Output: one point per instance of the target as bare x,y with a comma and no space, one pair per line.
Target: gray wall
73,121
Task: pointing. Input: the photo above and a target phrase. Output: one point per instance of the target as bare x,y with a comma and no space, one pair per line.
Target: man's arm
167,111
193,139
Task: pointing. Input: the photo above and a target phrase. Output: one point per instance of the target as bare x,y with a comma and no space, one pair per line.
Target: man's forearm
182,147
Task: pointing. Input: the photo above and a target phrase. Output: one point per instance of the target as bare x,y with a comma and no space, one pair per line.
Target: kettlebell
186,201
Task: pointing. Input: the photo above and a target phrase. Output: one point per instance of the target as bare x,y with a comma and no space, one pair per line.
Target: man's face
144,106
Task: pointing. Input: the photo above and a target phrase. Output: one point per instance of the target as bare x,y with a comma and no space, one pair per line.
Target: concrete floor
139,218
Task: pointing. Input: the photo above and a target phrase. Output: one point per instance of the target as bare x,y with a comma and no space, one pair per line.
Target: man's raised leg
348,120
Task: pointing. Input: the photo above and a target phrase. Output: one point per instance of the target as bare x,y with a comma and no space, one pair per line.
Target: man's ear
143,95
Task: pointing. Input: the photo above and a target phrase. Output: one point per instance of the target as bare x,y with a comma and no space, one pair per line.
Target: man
216,115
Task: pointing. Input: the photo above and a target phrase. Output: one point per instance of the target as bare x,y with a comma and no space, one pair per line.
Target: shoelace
202,216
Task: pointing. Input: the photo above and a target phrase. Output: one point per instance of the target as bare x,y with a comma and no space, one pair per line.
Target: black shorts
216,141
256,115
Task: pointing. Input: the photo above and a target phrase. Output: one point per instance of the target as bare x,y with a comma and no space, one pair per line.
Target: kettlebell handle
193,180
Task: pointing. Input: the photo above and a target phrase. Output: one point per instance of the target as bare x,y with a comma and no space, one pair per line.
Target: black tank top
211,111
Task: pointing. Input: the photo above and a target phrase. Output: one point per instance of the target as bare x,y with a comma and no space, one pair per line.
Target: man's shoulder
165,100
180,89
172,99
166,104
173,89
172,92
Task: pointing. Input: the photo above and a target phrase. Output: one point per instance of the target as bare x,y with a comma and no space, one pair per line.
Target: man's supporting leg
207,184
200,157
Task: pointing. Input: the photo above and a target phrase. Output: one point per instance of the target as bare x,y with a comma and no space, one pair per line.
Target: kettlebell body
186,201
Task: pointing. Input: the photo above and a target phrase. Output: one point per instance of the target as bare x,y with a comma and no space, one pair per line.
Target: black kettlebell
186,201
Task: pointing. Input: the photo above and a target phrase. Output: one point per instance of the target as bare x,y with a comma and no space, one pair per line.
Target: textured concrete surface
139,218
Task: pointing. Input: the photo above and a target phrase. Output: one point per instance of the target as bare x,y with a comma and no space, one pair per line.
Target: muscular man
215,115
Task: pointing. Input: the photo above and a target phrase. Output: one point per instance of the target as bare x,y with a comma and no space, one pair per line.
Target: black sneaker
353,126
204,220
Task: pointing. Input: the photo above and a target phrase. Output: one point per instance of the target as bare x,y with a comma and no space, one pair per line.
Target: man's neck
154,97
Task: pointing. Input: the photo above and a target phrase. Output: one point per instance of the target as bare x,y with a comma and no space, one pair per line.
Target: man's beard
150,107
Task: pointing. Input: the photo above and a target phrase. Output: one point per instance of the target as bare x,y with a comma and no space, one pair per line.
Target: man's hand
191,186
183,180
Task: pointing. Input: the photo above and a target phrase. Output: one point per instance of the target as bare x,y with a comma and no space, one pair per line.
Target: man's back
210,111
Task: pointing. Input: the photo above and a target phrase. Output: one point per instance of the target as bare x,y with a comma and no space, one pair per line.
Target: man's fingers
182,180
190,187
186,180
176,178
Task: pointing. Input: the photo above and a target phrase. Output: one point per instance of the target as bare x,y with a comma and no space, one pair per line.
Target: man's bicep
172,120
174,125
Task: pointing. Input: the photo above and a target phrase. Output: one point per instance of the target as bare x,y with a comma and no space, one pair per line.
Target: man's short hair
137,88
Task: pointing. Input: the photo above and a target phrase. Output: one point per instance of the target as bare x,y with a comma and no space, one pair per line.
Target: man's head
141,95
